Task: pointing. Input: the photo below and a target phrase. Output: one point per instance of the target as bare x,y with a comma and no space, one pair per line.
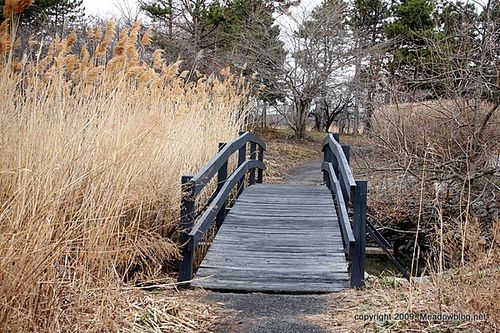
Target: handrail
338,177
191,233
341,164
213,209
202,178
345,226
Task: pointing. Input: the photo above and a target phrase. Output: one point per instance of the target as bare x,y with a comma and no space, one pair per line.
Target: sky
107,8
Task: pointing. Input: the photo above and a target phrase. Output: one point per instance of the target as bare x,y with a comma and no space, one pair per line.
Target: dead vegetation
92,147
470,290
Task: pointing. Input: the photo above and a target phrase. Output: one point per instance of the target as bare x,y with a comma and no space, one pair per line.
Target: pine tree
50,13
412,22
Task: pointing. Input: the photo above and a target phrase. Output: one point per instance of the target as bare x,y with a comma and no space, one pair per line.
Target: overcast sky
107,8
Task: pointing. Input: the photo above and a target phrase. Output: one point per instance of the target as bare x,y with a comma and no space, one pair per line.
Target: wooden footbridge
273,237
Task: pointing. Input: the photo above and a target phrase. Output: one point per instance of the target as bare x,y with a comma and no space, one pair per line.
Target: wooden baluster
185,226
260,172
221,179
253,149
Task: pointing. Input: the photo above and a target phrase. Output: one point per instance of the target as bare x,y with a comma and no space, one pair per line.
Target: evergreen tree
412,23
50,13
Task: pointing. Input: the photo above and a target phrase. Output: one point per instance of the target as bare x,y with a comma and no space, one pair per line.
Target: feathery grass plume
71,39
147,37
14,7
158,60
132,43
97,199
121,45
109,32
5,40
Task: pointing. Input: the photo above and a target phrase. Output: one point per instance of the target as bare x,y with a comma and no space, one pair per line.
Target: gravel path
268,313
271,313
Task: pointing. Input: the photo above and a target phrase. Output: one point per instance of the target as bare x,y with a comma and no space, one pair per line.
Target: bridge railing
193,227
347,192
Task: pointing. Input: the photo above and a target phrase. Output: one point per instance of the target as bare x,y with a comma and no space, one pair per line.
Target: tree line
338,62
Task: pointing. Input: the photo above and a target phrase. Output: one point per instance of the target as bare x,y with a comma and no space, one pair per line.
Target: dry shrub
443,162
457,139
92,148
446,156
473,289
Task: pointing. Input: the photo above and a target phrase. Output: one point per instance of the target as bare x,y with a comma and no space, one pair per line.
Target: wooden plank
278,238
276,287
377,251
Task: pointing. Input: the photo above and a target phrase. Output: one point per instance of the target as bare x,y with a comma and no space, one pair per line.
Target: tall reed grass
93,142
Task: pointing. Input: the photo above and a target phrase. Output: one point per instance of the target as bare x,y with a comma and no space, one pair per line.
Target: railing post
242,155
221,179
327,157
336,136
347,152
359,200
334,160
185,226
260,172
253,149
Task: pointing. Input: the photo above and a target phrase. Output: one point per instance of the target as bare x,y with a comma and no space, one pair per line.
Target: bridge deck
277,238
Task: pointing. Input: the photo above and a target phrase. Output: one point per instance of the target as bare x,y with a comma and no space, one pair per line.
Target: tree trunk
264,115
301,113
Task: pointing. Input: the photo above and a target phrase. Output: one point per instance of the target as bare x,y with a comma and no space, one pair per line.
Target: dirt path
308,173
270,313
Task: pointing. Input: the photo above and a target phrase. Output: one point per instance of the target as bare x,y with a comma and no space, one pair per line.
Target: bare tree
329,107
319,47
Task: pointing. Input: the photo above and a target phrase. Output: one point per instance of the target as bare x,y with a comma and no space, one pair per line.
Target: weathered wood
205,175
260,173
185,226
378,251
279,246
209,215
344,173
214,210
359,230
242,155
221,179
343,216
253,150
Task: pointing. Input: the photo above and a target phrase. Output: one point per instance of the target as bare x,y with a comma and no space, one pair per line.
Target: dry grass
471,290
92,146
